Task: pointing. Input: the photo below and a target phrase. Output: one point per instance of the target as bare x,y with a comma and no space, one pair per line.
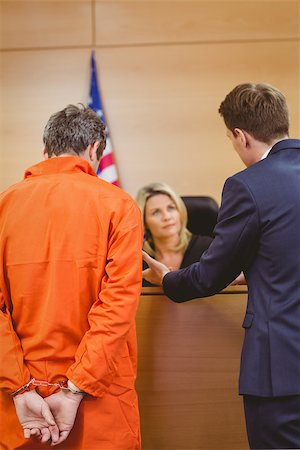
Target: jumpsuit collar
60,164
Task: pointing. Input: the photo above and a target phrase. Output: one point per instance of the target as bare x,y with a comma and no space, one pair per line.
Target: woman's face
162,217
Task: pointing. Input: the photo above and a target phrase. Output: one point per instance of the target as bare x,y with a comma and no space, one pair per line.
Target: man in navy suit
258,233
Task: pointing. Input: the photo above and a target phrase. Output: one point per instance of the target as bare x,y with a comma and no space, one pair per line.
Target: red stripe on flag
106,160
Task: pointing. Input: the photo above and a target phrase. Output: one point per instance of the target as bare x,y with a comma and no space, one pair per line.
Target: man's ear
241,136
45,153
93,151
249,139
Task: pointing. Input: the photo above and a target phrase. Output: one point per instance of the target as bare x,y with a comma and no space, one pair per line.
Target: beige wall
164,67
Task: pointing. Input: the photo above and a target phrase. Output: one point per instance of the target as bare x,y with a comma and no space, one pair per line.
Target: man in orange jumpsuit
70,282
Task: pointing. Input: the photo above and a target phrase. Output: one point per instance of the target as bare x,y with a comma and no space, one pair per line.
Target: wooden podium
189,357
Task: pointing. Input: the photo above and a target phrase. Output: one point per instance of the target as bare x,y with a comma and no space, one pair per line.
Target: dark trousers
273,422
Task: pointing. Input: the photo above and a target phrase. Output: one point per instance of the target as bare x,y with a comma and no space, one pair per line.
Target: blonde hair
151,190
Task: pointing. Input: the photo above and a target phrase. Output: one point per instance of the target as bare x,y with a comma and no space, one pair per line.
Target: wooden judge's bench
189,356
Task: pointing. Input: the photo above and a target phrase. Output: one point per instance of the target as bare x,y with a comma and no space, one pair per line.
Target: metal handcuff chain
34,382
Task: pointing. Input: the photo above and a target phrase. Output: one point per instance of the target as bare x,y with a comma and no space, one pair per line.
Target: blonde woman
167,238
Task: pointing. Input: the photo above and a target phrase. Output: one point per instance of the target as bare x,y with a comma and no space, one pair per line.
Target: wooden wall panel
65,1
37,24
37,84
160,22
161,100
162,107
182,1
163,116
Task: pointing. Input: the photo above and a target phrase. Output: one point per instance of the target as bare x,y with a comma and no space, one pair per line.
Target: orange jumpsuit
70,281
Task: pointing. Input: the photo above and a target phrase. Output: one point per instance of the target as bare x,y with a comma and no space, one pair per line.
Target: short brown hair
260,109
72,130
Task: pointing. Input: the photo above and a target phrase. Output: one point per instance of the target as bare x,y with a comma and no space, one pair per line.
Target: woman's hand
156,270
239,280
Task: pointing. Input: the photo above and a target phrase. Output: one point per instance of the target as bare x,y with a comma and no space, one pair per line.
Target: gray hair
72,130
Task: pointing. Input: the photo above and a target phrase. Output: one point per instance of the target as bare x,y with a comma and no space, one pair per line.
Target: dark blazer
197,245
258,232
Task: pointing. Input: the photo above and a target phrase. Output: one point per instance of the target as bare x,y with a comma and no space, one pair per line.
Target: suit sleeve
232,250
112,316
14,373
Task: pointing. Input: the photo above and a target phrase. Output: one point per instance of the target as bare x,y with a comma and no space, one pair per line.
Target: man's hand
64,405
35,417
239,280
156,271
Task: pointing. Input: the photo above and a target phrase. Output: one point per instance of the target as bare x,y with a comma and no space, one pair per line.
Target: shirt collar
266,153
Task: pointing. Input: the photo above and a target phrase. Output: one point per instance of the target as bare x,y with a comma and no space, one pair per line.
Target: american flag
107,169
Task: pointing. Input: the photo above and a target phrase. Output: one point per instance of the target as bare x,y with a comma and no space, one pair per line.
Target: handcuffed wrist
74,389
65,385
25,388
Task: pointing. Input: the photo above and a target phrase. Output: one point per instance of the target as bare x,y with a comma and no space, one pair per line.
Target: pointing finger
146,257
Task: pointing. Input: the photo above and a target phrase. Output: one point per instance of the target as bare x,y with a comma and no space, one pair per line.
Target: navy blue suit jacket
258,232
